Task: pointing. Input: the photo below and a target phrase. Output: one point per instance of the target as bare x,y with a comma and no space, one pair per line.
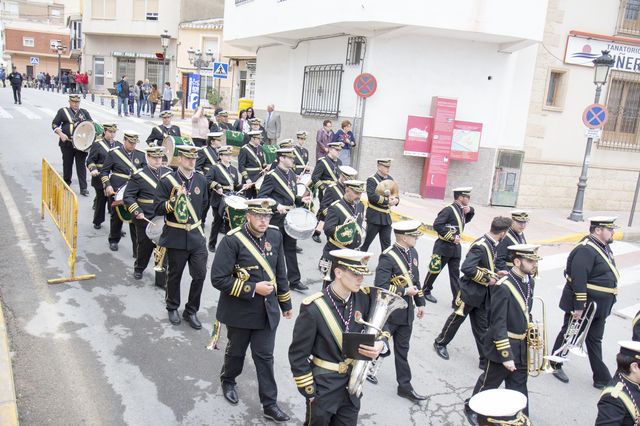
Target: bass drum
83,135
234,211
118,204
300,223
154,229
170,143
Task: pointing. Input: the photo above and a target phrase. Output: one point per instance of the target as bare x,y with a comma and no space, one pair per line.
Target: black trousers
217,226
401,339
494,374
102,201
177,260
144,252
17,95
453,264
372,231
479,326
262,343
346,414
69,155
290,256
115,230
593,343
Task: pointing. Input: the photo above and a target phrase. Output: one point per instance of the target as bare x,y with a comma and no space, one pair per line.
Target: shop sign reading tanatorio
583,48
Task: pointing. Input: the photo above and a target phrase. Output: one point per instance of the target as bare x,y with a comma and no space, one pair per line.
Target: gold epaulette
365,290
309,300
234,230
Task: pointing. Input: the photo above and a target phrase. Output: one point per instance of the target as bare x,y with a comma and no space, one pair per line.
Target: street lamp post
164,41
602,65
195,59
58,48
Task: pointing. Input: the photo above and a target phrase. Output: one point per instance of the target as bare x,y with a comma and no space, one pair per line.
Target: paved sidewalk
8,406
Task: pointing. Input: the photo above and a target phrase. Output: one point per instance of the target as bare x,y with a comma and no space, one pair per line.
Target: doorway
507,178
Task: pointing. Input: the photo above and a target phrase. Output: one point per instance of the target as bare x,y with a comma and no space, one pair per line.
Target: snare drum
154,229
300,223
118,205
171,144
305,179
235,210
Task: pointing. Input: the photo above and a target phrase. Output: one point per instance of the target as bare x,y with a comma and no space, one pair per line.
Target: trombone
575,336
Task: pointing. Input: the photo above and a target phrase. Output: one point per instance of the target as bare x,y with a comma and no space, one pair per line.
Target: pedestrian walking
153,99
167,96
122,89
3,76
15,79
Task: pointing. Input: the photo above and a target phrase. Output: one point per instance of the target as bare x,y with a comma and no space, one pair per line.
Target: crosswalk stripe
51,113
27,113
4,113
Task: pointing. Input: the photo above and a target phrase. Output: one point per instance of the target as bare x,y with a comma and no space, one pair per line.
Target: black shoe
229,392
316,238
298,249
441,350
372,379
298,287
411,395
137,275
275,414
174,318
113,246
84,192
472,417
599,385
97,226
559,374
193,320
211,248
430,298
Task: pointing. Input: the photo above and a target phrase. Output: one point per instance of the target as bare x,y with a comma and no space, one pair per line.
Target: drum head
300,223
154,229
120,193
236,202
83,135
301,189
305,179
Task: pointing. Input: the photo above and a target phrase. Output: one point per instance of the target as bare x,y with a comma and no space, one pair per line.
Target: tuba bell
385,303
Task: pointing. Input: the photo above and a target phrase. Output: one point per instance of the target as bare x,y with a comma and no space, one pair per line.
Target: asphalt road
103,351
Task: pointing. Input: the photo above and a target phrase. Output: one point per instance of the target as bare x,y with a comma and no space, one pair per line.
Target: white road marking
51,113
559,260
4,113
629,312
27,113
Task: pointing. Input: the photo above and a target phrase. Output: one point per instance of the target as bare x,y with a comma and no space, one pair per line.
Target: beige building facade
563,87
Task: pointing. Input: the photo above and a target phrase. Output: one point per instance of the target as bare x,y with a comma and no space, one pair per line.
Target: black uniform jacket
98,154
636,327
396,262
67,119
158,133
378,212
141,190
207,157
301,160
176,235
618,405
221,176
239,304
281,186
591,276
119,166
318,334
449,223
502,259
220,127
338,214
247,137
251,162
511,300
333,192
474,282
325,172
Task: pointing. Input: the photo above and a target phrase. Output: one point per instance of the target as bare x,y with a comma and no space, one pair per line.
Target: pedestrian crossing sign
220,70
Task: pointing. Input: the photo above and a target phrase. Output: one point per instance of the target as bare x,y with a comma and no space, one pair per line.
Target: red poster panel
417,141
436,166
466,141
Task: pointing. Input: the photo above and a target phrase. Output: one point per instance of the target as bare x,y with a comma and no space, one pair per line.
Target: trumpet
575,335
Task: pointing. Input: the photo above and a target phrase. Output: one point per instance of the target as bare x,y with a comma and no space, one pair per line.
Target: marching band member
120,164
255,126
138,199
284,143
398,273
500,407
326,169
592,276
636,327
515,235
378,213
301,164
63,124
222,179
249,271
320,370
343,228
506,346
619,403
333,192
182,197
449,225
251,163
222,124
280,185
208,155
158,133
473,297
95,161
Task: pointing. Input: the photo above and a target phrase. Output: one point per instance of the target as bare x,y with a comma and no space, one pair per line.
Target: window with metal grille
321,90
127,67
355,50
629,17
154,72
622,129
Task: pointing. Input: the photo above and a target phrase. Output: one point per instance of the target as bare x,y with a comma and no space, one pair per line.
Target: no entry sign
365,85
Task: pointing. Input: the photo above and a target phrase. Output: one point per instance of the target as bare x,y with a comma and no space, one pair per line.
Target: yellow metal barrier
62,204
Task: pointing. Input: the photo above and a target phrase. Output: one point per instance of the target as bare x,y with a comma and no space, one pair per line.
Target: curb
8,405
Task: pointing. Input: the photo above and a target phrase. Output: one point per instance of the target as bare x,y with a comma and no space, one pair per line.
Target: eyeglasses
260,216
